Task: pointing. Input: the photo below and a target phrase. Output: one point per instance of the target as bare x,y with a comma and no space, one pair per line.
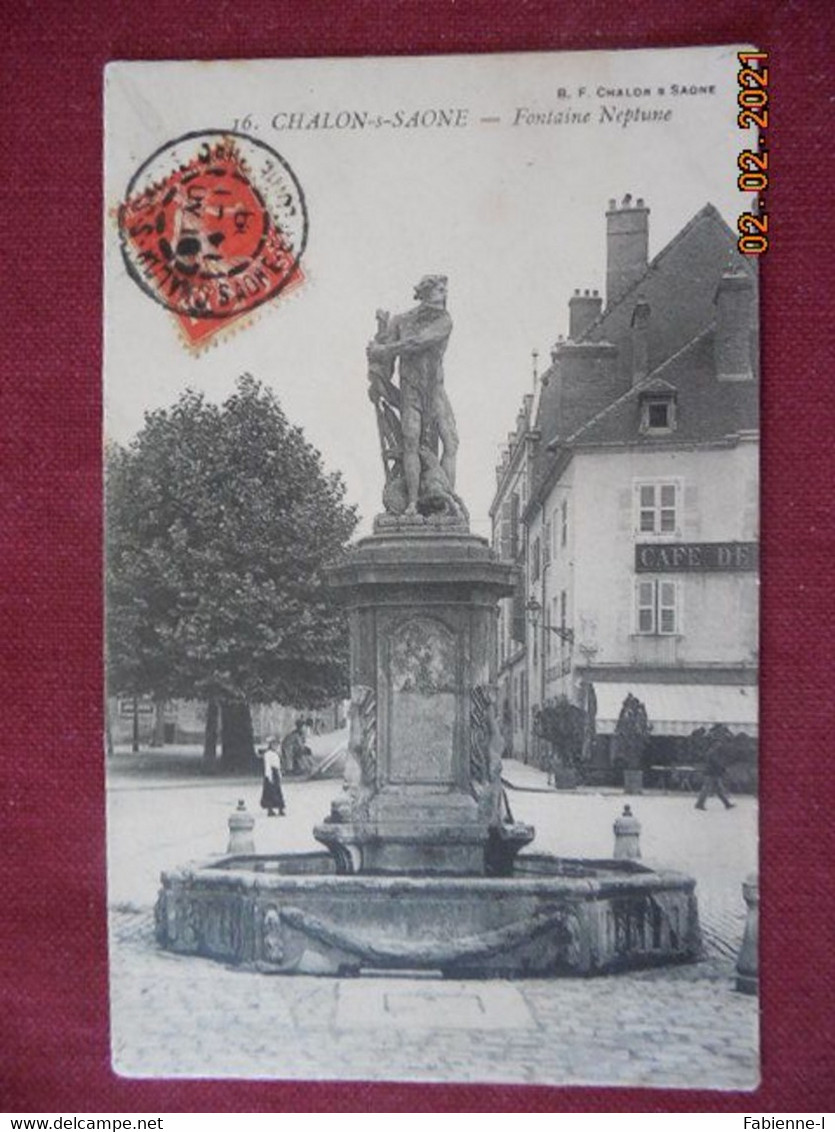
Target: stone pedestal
627,830
747,963
241,824
423,788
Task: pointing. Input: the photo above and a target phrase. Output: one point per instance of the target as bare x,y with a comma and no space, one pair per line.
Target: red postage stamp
213,225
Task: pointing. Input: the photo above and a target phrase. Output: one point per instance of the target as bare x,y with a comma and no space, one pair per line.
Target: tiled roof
706,409
680,285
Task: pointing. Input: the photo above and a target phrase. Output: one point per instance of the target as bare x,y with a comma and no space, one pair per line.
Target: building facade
183,722
641,522
514,473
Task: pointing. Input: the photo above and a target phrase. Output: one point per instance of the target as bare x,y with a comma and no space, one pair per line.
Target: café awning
678,709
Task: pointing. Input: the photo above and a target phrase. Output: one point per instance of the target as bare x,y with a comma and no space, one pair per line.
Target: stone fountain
422,868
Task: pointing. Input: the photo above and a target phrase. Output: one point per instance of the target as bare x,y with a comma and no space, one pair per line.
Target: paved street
181,1016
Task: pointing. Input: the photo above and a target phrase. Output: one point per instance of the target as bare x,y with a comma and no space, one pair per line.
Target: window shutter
669,503
514,525
667,608
646,518
644,606
517,630
505,542
535,553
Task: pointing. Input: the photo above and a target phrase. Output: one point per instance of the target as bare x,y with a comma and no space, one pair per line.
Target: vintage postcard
432,566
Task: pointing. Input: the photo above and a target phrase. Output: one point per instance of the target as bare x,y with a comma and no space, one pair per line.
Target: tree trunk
210,737
237,743
134,745
108,731
158,736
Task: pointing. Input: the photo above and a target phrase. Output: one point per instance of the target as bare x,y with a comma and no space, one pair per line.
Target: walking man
714,769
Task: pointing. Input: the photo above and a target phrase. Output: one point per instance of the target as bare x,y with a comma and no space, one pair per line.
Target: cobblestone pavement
181,1016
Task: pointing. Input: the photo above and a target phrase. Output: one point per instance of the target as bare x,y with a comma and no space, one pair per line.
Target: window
657,608
564,523
504,529
517,624
658,413
563,609
658,507
514,525
546,543
535,552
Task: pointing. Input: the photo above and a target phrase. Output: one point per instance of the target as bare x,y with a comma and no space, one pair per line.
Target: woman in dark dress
272,795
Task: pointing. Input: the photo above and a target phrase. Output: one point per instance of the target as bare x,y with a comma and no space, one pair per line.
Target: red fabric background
53,1024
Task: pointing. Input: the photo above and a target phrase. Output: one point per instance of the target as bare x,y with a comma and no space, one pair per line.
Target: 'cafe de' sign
671,556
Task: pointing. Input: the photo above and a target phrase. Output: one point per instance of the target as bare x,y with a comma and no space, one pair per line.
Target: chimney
627,245
583,310
589,380
501,464
734,317
640,340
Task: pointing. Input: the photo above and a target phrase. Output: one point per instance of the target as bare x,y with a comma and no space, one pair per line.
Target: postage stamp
213,225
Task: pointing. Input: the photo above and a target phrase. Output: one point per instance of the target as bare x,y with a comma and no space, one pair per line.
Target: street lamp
534,610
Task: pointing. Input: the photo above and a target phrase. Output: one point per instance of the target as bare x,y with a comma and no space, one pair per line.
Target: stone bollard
241,824
747,963
627,836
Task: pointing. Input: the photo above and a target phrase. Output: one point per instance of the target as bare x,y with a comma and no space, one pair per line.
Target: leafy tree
563,725
631,733
736,752
220,519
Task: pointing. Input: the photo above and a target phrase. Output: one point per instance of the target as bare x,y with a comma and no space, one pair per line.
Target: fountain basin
292,914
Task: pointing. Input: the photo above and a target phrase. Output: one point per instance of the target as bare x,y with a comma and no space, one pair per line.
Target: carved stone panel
272,937
424,685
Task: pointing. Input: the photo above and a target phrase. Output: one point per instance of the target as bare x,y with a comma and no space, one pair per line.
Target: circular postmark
213,225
